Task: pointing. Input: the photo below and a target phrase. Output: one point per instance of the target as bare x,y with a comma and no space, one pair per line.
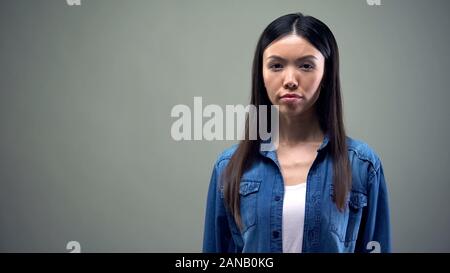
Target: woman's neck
300,129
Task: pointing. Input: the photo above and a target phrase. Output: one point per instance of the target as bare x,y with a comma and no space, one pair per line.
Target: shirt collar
272,154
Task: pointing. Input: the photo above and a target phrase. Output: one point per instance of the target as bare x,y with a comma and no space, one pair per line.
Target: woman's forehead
291,47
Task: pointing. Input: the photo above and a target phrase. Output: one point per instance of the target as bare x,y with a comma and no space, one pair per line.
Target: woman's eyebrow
275,57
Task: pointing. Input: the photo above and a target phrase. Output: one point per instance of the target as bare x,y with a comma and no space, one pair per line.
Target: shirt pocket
248,193
346,224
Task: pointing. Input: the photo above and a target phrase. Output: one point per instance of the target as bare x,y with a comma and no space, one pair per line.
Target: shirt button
275,234
277,198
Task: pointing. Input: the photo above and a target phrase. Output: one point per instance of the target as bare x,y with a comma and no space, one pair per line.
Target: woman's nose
290,85
290,82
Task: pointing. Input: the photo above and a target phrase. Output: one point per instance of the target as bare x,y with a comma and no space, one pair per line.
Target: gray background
86,93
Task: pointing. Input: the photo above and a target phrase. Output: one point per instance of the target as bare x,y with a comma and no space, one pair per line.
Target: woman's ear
322,83
320,86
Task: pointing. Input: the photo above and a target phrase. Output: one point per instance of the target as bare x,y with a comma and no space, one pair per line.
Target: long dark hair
328,107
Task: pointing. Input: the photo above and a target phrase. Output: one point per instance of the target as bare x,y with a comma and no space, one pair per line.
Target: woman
320,190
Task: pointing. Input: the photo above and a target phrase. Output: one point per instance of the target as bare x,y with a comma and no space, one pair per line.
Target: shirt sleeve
217,236
375,236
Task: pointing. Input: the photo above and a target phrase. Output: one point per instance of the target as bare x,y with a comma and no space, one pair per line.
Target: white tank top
293,217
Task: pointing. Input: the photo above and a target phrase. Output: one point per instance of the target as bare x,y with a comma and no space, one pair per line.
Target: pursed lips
291,95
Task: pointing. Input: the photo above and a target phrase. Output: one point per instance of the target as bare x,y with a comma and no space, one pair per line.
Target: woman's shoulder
358,149
226,154
363,152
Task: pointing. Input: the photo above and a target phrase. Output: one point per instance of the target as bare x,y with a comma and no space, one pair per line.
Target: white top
293,217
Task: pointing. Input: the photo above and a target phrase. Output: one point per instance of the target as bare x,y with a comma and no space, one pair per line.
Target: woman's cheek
271,88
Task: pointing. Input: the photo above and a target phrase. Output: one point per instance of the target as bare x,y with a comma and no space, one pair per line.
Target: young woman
320,190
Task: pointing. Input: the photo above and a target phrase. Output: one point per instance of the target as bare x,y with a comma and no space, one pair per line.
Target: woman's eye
306,67
275,67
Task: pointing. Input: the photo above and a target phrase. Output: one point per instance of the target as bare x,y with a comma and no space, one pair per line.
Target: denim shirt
363,226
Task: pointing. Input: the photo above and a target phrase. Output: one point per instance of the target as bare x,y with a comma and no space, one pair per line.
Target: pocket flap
247,187
357,200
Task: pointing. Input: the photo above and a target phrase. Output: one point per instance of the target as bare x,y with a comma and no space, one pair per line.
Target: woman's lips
291,98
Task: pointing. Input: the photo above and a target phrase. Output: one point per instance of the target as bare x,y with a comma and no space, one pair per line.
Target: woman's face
292,72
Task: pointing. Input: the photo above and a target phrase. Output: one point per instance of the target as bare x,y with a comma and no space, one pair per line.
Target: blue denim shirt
364,225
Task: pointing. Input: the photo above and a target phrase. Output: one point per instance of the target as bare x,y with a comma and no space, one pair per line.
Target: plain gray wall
86,94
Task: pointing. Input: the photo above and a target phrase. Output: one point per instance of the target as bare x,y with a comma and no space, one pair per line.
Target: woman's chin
290,111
